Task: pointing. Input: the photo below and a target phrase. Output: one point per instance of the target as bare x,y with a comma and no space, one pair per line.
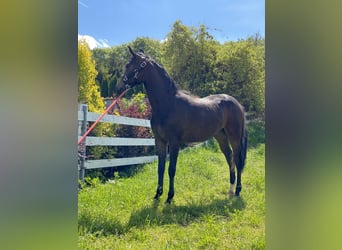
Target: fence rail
118,141
84,117
91,164
91,117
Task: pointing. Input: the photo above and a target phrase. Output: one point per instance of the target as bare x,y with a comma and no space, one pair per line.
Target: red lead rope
100,117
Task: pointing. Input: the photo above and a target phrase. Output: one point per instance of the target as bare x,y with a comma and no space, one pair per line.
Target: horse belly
196,137
200,130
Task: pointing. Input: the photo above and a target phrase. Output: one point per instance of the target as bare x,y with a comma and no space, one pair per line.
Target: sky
106,23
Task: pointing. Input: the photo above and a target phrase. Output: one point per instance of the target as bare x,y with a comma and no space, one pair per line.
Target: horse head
133,68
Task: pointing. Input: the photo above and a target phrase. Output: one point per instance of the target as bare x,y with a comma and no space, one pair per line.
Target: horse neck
160,90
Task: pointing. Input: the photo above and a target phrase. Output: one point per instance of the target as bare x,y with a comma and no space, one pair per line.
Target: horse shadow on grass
158,214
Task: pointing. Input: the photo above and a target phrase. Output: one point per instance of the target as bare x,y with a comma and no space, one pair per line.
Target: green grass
121,214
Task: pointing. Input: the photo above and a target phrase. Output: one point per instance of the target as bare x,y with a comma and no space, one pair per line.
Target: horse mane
173,88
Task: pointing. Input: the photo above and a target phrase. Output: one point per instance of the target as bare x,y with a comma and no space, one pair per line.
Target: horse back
192,119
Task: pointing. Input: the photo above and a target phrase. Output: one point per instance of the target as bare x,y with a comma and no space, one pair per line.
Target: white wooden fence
84,116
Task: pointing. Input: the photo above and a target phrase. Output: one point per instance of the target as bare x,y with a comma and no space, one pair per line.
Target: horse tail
243,144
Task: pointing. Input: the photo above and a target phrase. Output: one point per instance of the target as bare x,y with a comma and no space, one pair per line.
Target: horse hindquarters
237,136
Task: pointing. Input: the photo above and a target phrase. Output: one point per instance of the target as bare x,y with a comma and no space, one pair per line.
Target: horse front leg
174,149
161,152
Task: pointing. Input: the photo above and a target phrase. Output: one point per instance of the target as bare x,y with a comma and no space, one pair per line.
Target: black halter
135,71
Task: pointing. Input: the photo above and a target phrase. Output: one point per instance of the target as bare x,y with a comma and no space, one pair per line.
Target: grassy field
121,213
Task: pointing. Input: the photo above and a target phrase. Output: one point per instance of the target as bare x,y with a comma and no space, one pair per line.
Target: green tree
88,90
189,57
240,72
179,49
89,93
204,62
103,78
150,47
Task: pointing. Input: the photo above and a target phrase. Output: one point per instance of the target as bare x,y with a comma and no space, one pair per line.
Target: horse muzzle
120,86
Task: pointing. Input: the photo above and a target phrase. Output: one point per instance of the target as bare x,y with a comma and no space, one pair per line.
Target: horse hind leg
222,139
239,162
236,133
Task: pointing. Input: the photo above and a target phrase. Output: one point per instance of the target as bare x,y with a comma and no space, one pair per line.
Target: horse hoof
237,192
168,201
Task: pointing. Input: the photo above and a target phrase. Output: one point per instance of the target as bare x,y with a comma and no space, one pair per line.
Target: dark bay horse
178,117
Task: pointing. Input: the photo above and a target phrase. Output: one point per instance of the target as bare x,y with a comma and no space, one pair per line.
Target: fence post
82,146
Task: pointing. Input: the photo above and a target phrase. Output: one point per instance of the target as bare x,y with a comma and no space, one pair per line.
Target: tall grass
121,213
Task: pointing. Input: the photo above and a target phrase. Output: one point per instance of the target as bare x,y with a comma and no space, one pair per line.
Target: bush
137,107
256,133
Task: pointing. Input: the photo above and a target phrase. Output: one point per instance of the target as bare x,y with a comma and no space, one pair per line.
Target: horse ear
132,52
141,50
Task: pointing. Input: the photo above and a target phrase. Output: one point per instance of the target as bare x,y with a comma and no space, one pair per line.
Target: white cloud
93,43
